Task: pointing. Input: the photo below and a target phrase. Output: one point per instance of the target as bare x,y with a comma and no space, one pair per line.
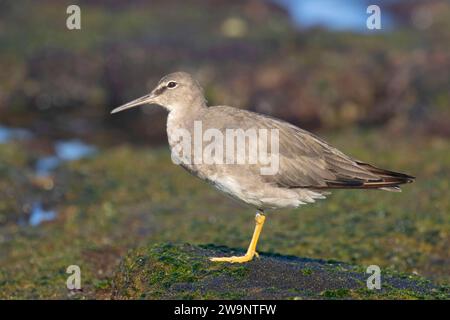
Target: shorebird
308,167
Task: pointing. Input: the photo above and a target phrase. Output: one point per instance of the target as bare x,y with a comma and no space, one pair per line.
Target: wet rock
180,271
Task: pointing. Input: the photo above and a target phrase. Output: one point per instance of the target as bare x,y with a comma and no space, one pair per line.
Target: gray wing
306,161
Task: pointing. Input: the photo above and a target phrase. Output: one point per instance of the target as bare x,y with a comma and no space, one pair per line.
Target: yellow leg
251,251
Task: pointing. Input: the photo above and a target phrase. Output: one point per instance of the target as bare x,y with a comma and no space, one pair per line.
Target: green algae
336,294
307,271
152,271
126,198
183,271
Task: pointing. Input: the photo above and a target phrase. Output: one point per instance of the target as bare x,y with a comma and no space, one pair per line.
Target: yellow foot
234,259
251,251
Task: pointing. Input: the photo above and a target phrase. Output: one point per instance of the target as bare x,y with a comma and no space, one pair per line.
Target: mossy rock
183,271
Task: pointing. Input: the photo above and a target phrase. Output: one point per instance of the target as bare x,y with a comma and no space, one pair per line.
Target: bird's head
175,91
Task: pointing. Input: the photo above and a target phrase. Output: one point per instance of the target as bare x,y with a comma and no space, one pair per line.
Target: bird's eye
171,84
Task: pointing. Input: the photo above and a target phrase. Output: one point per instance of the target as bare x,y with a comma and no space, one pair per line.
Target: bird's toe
232,259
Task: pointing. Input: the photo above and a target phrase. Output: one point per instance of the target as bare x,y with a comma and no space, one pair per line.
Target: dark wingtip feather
387,180
388,176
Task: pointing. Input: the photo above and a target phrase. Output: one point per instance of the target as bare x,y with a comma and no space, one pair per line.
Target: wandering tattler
306,166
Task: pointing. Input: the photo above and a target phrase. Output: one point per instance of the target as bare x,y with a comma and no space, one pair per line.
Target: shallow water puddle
8,134
73,150
64,150
39,214
334,14
69,150
45,165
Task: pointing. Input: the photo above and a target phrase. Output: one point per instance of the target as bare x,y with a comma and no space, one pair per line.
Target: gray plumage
308,166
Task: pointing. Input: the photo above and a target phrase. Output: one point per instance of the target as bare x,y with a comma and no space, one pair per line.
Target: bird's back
305,160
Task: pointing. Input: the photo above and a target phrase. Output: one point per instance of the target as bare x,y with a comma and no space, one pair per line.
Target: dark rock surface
180,271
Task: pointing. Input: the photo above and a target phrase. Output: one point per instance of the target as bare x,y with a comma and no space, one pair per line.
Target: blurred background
79,186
